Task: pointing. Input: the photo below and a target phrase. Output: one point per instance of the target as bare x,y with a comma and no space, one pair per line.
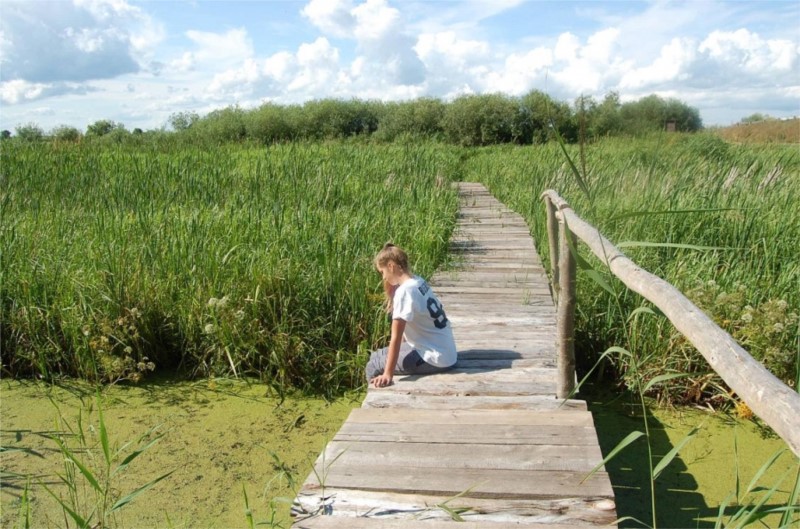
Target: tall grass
737,205
232,260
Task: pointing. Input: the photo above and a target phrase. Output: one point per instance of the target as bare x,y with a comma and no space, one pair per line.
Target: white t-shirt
427,328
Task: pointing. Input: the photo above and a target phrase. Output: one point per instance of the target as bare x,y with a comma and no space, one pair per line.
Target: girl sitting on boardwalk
422,337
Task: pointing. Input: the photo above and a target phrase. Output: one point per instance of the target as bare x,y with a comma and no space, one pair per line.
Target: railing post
552,237
565,322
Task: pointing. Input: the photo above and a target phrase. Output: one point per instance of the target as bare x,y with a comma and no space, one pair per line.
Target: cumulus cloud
73,41
750,53
21,91
670,66
314,68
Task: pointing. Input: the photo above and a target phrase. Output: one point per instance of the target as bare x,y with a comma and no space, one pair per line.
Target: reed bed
232,260
719,221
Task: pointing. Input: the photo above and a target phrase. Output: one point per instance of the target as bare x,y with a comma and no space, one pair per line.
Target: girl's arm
398,327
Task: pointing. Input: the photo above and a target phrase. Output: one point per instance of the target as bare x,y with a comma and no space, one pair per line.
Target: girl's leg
409,362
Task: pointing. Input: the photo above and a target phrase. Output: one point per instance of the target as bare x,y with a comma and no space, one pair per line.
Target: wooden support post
566,312
552,237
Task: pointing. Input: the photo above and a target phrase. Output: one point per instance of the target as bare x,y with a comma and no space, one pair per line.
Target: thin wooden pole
565,322
552,237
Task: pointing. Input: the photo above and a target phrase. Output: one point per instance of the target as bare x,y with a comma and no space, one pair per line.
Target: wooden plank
331,522
412,507
520,417
396,401
504,435
473,482
474,386
505,363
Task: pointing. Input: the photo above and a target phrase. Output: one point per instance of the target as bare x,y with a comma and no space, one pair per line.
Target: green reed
117,261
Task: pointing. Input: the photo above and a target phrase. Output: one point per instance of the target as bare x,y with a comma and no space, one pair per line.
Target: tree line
470,120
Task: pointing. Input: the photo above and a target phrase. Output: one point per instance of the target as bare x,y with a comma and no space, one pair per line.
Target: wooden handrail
774,402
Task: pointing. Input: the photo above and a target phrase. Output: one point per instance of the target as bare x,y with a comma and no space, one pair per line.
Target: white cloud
20,91
332,17
749,52
670,66
74,41
375,20
221,48
590,68
13,92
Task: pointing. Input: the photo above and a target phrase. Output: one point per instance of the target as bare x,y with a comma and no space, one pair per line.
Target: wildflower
209,328
222,302
85,330
778,327
135,312
128,350
239,314
747,317
743,410
782,304
212,302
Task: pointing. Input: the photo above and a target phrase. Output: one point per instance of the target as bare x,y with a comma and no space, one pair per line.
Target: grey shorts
409,362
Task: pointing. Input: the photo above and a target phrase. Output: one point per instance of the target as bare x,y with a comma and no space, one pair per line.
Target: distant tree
420,117
5,134
65,133
103,127
269,123
605,118
222,125
482,119
755,118
651,113
539,113
137,131
183,120
29,132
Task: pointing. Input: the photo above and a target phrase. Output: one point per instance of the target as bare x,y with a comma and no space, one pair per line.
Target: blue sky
72,62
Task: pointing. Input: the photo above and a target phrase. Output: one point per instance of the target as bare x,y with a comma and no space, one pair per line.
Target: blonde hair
392,253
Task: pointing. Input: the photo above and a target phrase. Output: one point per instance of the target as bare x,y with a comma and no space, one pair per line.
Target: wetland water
220,435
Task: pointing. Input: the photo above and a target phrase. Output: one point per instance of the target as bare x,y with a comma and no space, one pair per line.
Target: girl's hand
381,381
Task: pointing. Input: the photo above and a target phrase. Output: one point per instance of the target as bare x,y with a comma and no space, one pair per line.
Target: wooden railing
774,402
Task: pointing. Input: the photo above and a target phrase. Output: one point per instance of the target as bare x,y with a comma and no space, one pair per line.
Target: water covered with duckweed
219,435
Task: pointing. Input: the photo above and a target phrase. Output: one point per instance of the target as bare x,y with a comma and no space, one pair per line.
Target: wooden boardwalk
488,440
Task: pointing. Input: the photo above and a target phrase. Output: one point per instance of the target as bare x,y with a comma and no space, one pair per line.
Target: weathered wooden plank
577,512
394,400
567,437
505,363
330,522
488,348
472,482
411,507
520,417
474,386
545,352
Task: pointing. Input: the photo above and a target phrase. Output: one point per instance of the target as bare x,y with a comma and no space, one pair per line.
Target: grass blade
631,437
663,378
667,459
103,432
122,502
